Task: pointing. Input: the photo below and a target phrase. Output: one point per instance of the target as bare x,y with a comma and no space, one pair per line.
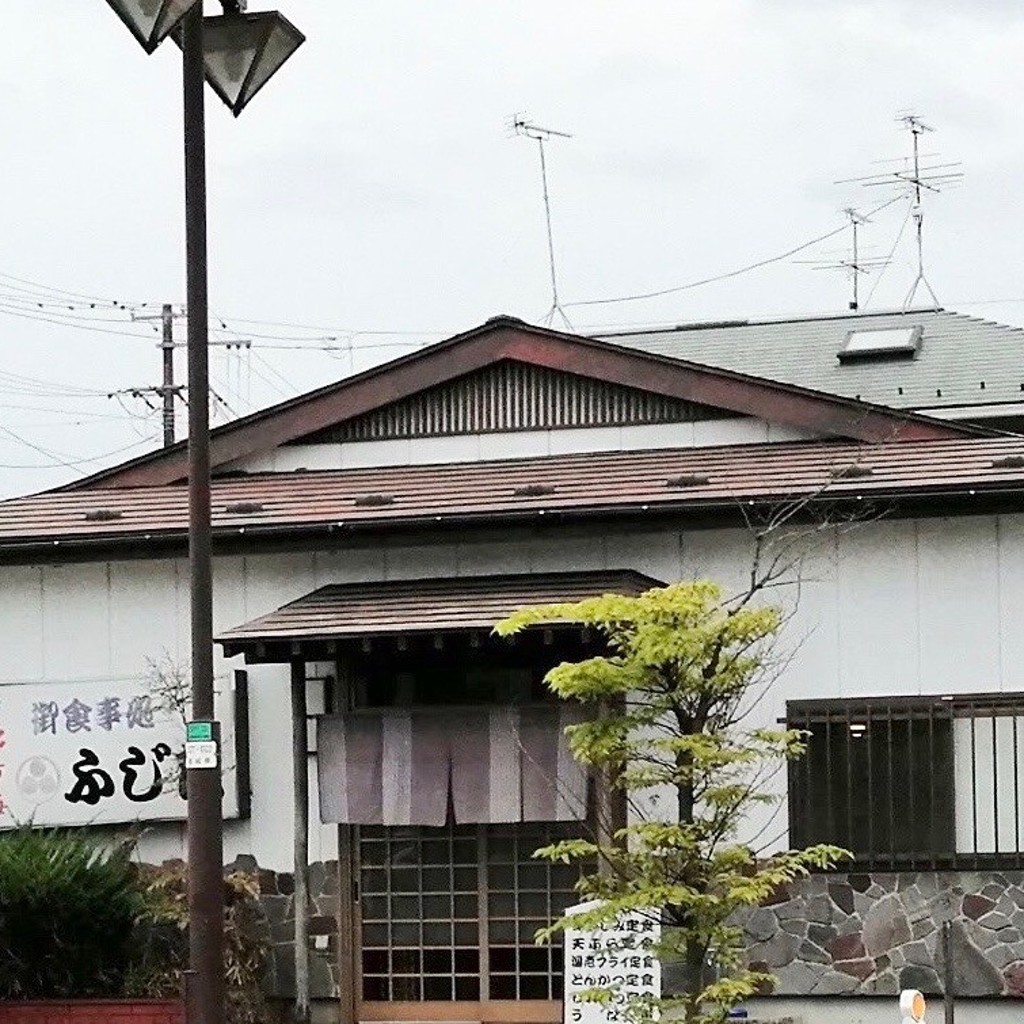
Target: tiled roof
614,482
962,360
503,340
407,606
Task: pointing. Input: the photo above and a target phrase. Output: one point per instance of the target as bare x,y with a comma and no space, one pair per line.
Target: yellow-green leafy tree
669,698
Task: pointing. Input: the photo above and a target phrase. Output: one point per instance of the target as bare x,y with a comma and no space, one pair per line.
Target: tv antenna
915,177
852,262
528,130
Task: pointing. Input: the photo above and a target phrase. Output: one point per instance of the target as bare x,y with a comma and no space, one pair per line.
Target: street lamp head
242,52
152,21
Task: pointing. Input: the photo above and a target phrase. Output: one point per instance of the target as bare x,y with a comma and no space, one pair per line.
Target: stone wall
277,896
875,934
842,934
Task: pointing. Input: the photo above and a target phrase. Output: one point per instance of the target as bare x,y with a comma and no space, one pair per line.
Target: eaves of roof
690,480
504,338
395,607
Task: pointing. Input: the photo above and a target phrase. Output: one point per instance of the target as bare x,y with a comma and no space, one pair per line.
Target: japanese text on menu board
619,959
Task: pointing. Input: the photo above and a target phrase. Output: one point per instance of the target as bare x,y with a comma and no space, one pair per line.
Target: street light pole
205,823
245,51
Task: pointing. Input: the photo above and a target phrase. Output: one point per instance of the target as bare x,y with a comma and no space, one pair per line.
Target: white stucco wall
891,607
517,445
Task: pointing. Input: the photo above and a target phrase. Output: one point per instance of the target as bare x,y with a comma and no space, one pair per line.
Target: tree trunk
693,970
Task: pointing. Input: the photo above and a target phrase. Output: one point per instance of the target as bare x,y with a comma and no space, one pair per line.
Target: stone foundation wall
875,934
277,897
843,934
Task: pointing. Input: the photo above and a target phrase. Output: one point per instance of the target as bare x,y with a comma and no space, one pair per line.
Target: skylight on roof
888,343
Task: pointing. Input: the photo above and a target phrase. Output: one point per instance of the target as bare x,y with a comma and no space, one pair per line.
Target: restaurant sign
618,959
96,753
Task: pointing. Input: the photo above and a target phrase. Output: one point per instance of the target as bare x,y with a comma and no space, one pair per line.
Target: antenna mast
914,180
917,128
853,264
855,222
526,129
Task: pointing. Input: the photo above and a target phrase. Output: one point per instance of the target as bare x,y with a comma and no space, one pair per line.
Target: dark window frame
905,819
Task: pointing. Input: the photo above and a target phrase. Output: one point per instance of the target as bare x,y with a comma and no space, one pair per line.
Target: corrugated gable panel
514,396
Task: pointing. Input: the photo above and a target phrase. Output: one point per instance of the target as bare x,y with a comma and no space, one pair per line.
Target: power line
729,274
49,408
22,380
290,388
70,462
889,256
21,315
53,290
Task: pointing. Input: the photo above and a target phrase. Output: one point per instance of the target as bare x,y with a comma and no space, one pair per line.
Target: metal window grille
450,914
916,783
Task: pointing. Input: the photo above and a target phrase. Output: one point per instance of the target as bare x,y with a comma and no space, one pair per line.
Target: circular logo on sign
38,779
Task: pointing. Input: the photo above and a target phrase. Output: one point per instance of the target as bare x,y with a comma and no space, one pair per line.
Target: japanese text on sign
88,753
619,959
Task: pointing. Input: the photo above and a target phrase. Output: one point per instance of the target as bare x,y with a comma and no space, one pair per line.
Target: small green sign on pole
198,732
202,745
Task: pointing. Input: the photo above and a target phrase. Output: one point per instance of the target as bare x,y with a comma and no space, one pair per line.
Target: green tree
683,670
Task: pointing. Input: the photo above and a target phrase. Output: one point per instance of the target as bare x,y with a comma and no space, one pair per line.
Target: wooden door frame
354,1010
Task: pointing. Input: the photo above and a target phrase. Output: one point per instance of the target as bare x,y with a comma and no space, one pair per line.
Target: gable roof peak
506,338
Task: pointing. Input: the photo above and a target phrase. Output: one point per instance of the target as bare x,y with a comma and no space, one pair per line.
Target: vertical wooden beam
300,791
347,951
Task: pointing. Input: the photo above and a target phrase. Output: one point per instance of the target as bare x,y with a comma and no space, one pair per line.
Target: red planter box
93,1011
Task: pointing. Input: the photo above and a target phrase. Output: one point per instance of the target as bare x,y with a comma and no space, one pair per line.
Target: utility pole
167,345
168,391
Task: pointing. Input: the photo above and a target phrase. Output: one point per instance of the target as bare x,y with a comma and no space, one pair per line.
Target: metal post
205,825
167,392
300,866
948,971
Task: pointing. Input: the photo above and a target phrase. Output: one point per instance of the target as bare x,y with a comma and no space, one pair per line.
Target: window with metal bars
450,914
924,782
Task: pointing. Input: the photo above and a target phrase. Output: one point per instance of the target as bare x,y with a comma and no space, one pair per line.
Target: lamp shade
152,21
243,51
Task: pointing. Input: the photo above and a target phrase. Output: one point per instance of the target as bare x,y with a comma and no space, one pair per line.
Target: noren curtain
492,765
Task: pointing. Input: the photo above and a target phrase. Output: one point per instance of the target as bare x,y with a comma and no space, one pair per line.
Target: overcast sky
374,185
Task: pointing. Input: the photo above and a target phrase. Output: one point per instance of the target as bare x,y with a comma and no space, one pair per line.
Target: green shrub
162,949
69,903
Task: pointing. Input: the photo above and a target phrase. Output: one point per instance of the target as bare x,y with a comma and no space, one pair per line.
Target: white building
400,513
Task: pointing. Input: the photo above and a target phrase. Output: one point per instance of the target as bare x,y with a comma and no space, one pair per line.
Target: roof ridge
698,325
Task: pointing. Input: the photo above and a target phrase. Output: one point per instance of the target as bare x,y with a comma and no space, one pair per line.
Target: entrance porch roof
319,622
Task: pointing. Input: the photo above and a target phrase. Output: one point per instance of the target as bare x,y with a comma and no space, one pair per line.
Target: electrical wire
53,290
64,323
69,462
888,258
75,314
729,274
48,408
290,388
21,381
